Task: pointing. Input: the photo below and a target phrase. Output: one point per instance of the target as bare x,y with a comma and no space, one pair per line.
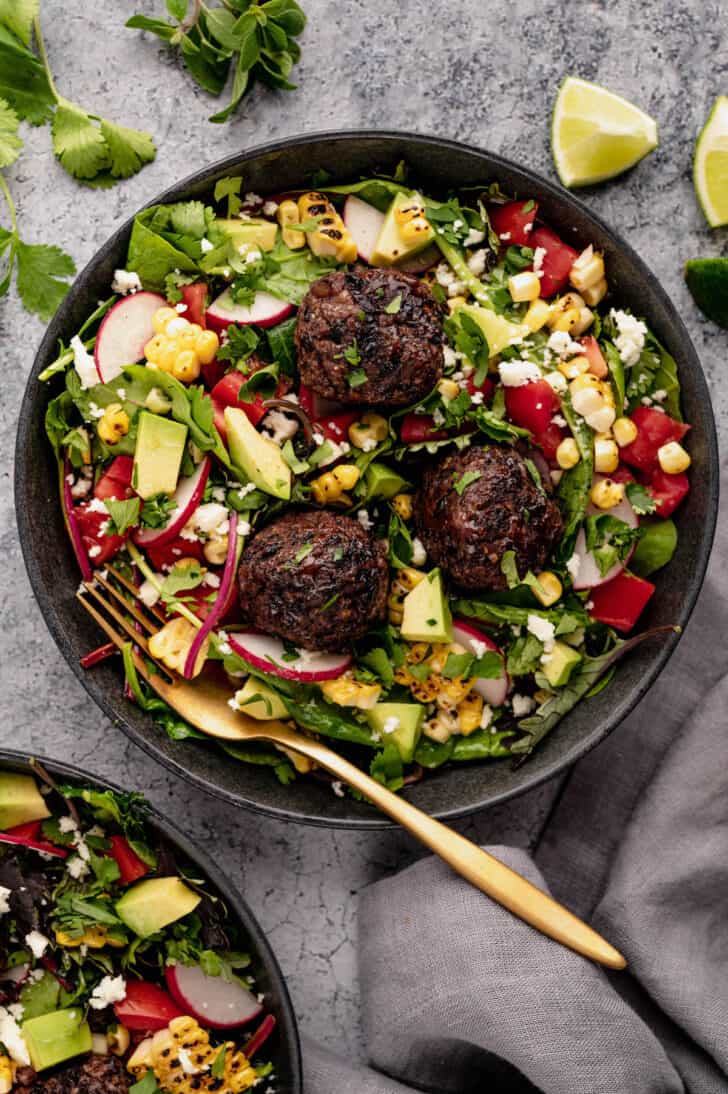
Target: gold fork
204,703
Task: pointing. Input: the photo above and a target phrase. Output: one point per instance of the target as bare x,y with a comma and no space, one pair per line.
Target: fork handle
478,867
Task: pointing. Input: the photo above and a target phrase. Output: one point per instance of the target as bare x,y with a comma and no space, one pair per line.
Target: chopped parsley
640,498
330,601
467,479
394,305
357,377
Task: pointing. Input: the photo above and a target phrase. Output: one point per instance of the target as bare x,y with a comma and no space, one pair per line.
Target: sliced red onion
71,523
222,597
261,1034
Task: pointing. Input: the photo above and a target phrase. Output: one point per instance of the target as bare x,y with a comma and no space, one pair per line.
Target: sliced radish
212,1000
422,262
124,332
364,223
587,575
265,311
494,691
187,497
268,654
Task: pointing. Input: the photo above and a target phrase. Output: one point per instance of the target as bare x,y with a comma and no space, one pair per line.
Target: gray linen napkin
460,997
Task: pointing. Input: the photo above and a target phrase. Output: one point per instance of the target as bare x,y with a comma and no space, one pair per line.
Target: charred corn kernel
93,937
347,692
114,424
441,727
192,1072
395,609
172,642
302,764
449,389
417,653
585,381
625,431
187,366
551,588
99,1045
673,458
402,505
537,316
117,1038
606,456
6,1074
602,419
606,493
568,454
414,230
451,692
161,317
574,367
596,293
470,712
347,475
331,236
215,549
206,346
409,577
567,320
587,270
329,487
587,396
524,286
288,214
408,211
370,427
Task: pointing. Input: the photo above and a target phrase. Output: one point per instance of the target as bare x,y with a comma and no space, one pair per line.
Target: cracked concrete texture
483,74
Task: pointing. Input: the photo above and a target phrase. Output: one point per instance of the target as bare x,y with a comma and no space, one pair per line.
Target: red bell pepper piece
195,297
29,835
654,428
116,480
164,556
146,1007
620,602
99,546
532,405
597,365
667,490
556,263
418,428
514,221
131,867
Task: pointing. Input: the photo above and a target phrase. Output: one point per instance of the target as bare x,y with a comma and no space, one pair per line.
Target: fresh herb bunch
256,41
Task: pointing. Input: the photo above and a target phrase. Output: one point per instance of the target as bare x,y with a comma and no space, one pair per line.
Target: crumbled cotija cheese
110,989
630,340
517,373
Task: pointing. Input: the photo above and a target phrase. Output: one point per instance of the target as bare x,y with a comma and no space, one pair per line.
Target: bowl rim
493,163
287,1030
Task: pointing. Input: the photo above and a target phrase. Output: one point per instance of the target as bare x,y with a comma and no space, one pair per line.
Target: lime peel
710,168
707,279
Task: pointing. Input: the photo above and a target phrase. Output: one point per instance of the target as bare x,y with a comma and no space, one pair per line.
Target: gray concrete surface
484,73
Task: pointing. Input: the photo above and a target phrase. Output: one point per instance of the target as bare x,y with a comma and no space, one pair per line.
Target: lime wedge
710,170
707,279
596,134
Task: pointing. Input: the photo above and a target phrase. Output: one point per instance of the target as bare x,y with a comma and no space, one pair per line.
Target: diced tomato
116,480
213,372
146,1007
514,220
622,474
99,547
195,297
164,557
532,405
595,357
225,393
335,427
620,602
557,261
306,400
417,428
487,388
667,490
653,430
131,867
549,439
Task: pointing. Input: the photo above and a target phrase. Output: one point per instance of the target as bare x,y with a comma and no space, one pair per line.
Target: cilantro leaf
40,270
128,149
467,478
24,83
181,579
124,514
146,1085
357,377
229,188
78,143
640,498
394,305
18,16
10,142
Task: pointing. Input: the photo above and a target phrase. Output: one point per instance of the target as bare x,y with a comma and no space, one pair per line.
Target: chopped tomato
213,372
99,547
116,480
334,426
557,261
532,405
549,439
654,428
225,393
417,428
513,222
667,490
620,602
487,388
131,867
622,474
146,1007
163,557
595,357
195,297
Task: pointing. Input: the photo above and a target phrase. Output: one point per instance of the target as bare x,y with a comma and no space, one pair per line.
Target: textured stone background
486,74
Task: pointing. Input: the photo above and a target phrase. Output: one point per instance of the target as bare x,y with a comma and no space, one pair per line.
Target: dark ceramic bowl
282,1048
437,165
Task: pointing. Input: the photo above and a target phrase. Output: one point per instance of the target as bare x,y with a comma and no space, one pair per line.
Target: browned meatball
467,531
350,348
315,578
94,1075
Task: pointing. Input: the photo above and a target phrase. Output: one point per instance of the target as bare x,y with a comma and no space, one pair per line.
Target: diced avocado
253,232
499,331
559,664
150,905
55,1037
259,701
426,615
20,800
158,455
382,481
390,248
258,456
407,732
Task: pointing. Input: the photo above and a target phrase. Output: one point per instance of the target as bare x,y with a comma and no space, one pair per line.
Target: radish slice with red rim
69,519
495,689
212,1000
364,223
124,332
587,574
186,497
268,654
265,311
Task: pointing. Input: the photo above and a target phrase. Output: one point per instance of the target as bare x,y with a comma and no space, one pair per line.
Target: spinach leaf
379,192
576,483
616,374
497,428
386,767
655,548
152,256
328,720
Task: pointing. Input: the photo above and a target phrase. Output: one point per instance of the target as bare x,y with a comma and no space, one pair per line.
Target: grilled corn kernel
574,367
602,419
161,317
186,368
191,1073
537,315
606,455
596,293
408,211
117,1038
449,389
172,642
414,230
93,937
588,270
551,588
402,505
114,424
370,427
288,214
347,692
395,609
330,487
605,494
215,549
6,1074
470,712
625,431
673,458
206,346
568,454
524,286
409,577
440,728
331,236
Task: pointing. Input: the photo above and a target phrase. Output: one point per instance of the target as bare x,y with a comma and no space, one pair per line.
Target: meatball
475,505
94,1075
353,349
315,578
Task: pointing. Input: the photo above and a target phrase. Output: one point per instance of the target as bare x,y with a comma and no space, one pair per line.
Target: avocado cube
160,446
406,733
20,800
426,614
150,905
258,456
499,332
259,701
559,663
390,248
382,481
55,1037
255,232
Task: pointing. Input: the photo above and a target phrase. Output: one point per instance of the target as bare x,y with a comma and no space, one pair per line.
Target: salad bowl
438,166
